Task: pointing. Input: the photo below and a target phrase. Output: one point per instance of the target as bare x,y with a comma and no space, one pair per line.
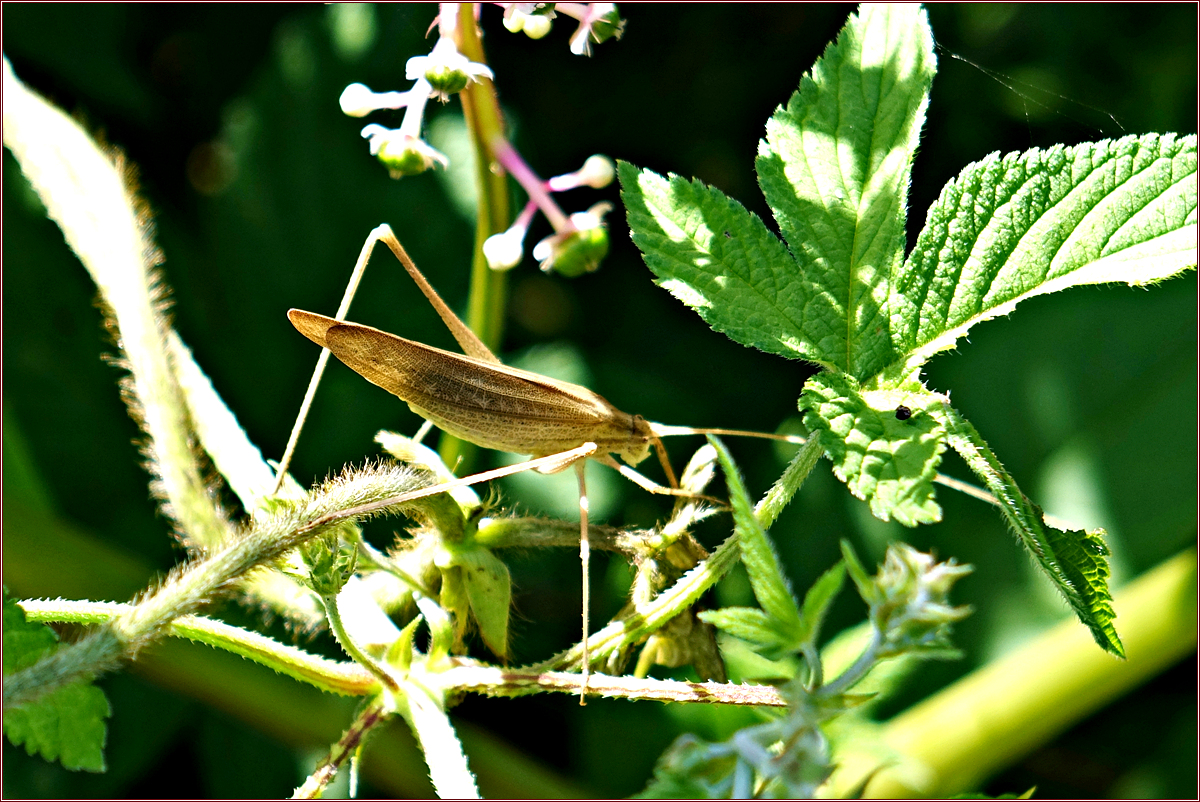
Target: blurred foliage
264,192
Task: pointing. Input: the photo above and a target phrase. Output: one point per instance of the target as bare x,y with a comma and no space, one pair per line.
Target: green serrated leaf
770,586
1009,228
835,167
1075,561
24,643
66,724
751,625
884,444
711,253
817,601
1081,559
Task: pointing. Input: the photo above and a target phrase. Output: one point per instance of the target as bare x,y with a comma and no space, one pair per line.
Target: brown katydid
477,398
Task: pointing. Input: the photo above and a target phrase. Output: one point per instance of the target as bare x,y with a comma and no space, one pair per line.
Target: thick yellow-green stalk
952,742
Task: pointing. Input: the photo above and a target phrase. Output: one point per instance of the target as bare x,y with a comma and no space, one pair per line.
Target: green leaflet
66,724
817,601
884,444
721,260
1009,228
834,167
489,589
1074,561
753,626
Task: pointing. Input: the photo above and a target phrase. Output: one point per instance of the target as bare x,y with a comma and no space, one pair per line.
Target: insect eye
903,412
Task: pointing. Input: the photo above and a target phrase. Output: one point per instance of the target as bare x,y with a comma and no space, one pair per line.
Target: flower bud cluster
579,241
909,600
598,22
330,563
445,71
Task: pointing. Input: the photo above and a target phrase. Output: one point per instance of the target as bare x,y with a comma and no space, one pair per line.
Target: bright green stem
486,301
328,675
627,630
952,742
338,626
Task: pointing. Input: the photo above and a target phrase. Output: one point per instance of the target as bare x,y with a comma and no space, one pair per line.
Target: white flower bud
597,172
514,22
357,100
537,26
447,70
504,251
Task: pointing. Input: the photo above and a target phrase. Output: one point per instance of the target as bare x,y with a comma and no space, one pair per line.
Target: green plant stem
952,742
345,748
338,626
191,585
486,299
328,675
862,666
629,629
493,681
87,191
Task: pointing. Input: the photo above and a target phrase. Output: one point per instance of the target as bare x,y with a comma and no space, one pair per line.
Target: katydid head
637,443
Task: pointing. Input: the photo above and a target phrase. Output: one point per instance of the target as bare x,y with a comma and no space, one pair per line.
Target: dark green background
1106,375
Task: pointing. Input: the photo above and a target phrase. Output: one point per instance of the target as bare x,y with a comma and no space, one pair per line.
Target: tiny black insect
728,235
903,412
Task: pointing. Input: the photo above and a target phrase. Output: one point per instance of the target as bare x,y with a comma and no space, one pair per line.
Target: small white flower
544,249
597,171
447,70
402,153
598,22
593,217
580,249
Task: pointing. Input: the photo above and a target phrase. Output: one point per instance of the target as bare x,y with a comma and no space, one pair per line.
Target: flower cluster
580,240
444,72
598,22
